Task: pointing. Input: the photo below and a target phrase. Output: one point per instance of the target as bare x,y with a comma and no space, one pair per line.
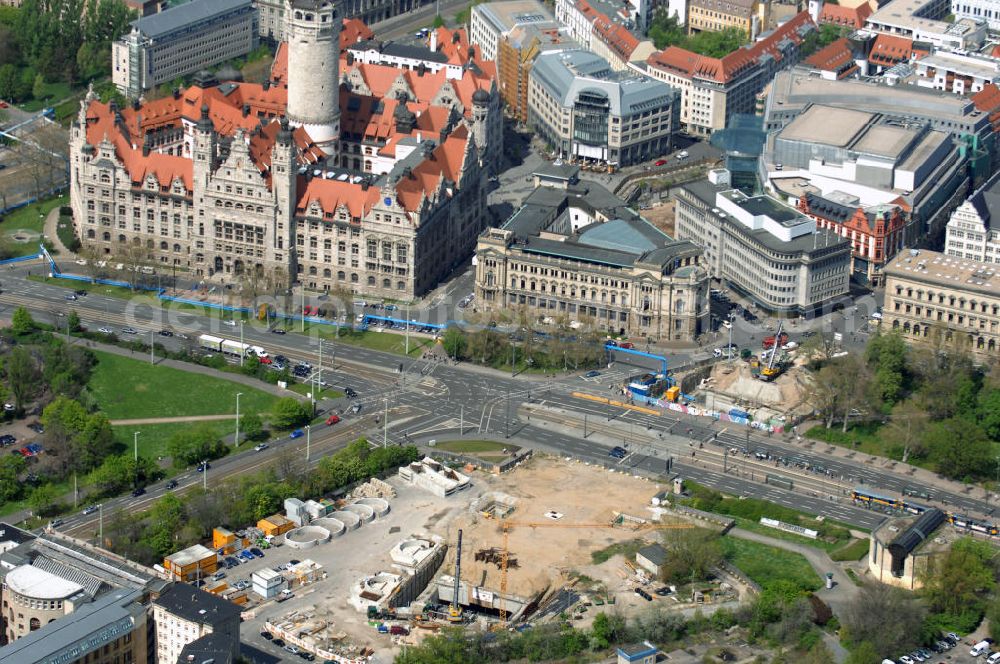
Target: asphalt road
438,398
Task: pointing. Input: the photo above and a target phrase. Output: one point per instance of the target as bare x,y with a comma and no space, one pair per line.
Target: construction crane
506,525
455,610
770,372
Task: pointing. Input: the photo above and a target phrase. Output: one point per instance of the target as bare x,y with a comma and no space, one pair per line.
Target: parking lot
959,654
346,559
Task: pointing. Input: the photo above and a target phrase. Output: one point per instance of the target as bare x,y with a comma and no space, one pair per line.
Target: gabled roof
890,50
354,30
445,163
854,17
616,36
723,70
836,57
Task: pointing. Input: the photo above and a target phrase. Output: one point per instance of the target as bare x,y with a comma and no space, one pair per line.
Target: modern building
576,252
713,90
955,72
978,10
273,20
491,22
180,41
944,302
63,601
766,250
750,16
970,233
378,189
184,614
587,111
901,551
924,21
516,56
578,16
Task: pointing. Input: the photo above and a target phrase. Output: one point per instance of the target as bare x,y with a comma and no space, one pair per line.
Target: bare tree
887,636
133,257
906,427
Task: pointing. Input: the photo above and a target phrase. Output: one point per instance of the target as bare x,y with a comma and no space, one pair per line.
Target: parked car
267,636
260,448
333,419
7,439
298,433
278,642
231,562
350,392
356,408
257,553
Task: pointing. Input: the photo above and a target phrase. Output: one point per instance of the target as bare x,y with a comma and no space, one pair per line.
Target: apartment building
515,58
182,40
978,10
715,89
574,251
924,21
768,251
184,614
955,72
750,16
943,302
446,50
585,110
970,233
619,45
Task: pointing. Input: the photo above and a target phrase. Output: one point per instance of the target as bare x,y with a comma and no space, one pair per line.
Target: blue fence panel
21,259
210,305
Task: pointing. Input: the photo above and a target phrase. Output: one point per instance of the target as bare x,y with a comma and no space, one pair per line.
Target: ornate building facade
370,180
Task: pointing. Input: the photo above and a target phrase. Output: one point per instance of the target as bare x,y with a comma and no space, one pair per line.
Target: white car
105,330
129,330
230,323
993,659
905,659
260,448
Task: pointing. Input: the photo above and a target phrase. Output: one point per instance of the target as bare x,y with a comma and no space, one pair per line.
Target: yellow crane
507,524
455,610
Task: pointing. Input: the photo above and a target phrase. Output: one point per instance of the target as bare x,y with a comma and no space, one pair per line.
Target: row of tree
566,350
175,522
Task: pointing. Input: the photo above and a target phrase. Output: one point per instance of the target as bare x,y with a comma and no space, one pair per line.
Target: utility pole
585,426
242,351
407,330
100,526
204,476
308,440
320,370
508,411
302,305
238,395
461,420
512,373
76,492
729,350
135,444
385,424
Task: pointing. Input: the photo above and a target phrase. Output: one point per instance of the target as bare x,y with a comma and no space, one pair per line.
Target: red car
265,360
333,419
660,162
626,344
307,310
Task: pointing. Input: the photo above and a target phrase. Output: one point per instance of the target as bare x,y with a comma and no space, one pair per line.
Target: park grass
388,342
153,438
628,549
864,438
97,289
125,388
855,550
31,217
767,564
475,447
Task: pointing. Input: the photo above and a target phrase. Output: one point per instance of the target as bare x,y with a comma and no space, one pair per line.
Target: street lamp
513,347
242,352
238,395
308,440
385,424
135,444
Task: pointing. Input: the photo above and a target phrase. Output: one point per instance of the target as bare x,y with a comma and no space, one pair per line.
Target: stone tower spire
313,34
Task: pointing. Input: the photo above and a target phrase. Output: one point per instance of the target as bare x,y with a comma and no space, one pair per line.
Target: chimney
246,110
365,184
267,85
177,93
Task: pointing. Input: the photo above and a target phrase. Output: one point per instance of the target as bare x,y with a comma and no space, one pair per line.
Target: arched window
400,285
327,273
312,270
371,281
386,283
679,306
107,237
149,243
341,276
121,238
34,624
163,246
177,248
354,277
91,234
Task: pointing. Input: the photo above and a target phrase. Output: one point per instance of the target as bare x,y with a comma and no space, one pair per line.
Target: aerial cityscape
472,331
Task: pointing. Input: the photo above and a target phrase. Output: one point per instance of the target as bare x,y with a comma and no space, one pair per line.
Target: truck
208,342
769,341
230,347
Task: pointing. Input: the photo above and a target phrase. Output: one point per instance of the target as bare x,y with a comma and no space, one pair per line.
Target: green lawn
153,437
390,342
767,564
100,289
487,447
29,221
865,439
130,389
856,550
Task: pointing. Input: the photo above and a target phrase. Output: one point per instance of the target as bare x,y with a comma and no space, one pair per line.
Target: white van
980,648
888,661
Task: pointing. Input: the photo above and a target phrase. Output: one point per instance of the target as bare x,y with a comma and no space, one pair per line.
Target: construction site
520,544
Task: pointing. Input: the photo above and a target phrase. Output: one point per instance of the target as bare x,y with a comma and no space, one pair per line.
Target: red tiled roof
454,44
616,36
354,30
835,57
381,78
840,15
334,194
890,50
445,163
723,70
987,100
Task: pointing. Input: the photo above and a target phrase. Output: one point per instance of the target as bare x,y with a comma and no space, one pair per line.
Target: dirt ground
586,496
661,215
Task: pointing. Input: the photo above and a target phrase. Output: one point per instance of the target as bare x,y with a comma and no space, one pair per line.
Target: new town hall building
334,172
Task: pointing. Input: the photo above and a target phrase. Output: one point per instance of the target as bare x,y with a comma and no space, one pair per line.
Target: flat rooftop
38,584
827,125
886,140
903,14
191,555
765,206
932,267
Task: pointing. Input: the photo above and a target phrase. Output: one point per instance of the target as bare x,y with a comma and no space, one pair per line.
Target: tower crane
455,610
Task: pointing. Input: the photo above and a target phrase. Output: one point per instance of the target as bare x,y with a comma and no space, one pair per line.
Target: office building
575,252
184,615
970,233
490,22
180,41
585,110
943,302
713,90
955,72
63,601
978,10
750,16
768,251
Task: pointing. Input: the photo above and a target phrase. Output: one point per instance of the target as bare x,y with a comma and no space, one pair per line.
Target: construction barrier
615,404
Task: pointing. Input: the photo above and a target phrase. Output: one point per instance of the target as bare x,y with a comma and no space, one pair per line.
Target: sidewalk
51,232
173,420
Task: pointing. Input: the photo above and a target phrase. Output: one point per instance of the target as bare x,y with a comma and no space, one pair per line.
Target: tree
44,500
666,30
23,376
691,554
959,448
454,342
251,426
886,355
21,322
194,445
289,413
989,412
885,636
906,427
957,583
122,471
38,87
73,321
864,653
11,466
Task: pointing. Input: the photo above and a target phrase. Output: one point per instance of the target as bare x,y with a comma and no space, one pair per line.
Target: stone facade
272,13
